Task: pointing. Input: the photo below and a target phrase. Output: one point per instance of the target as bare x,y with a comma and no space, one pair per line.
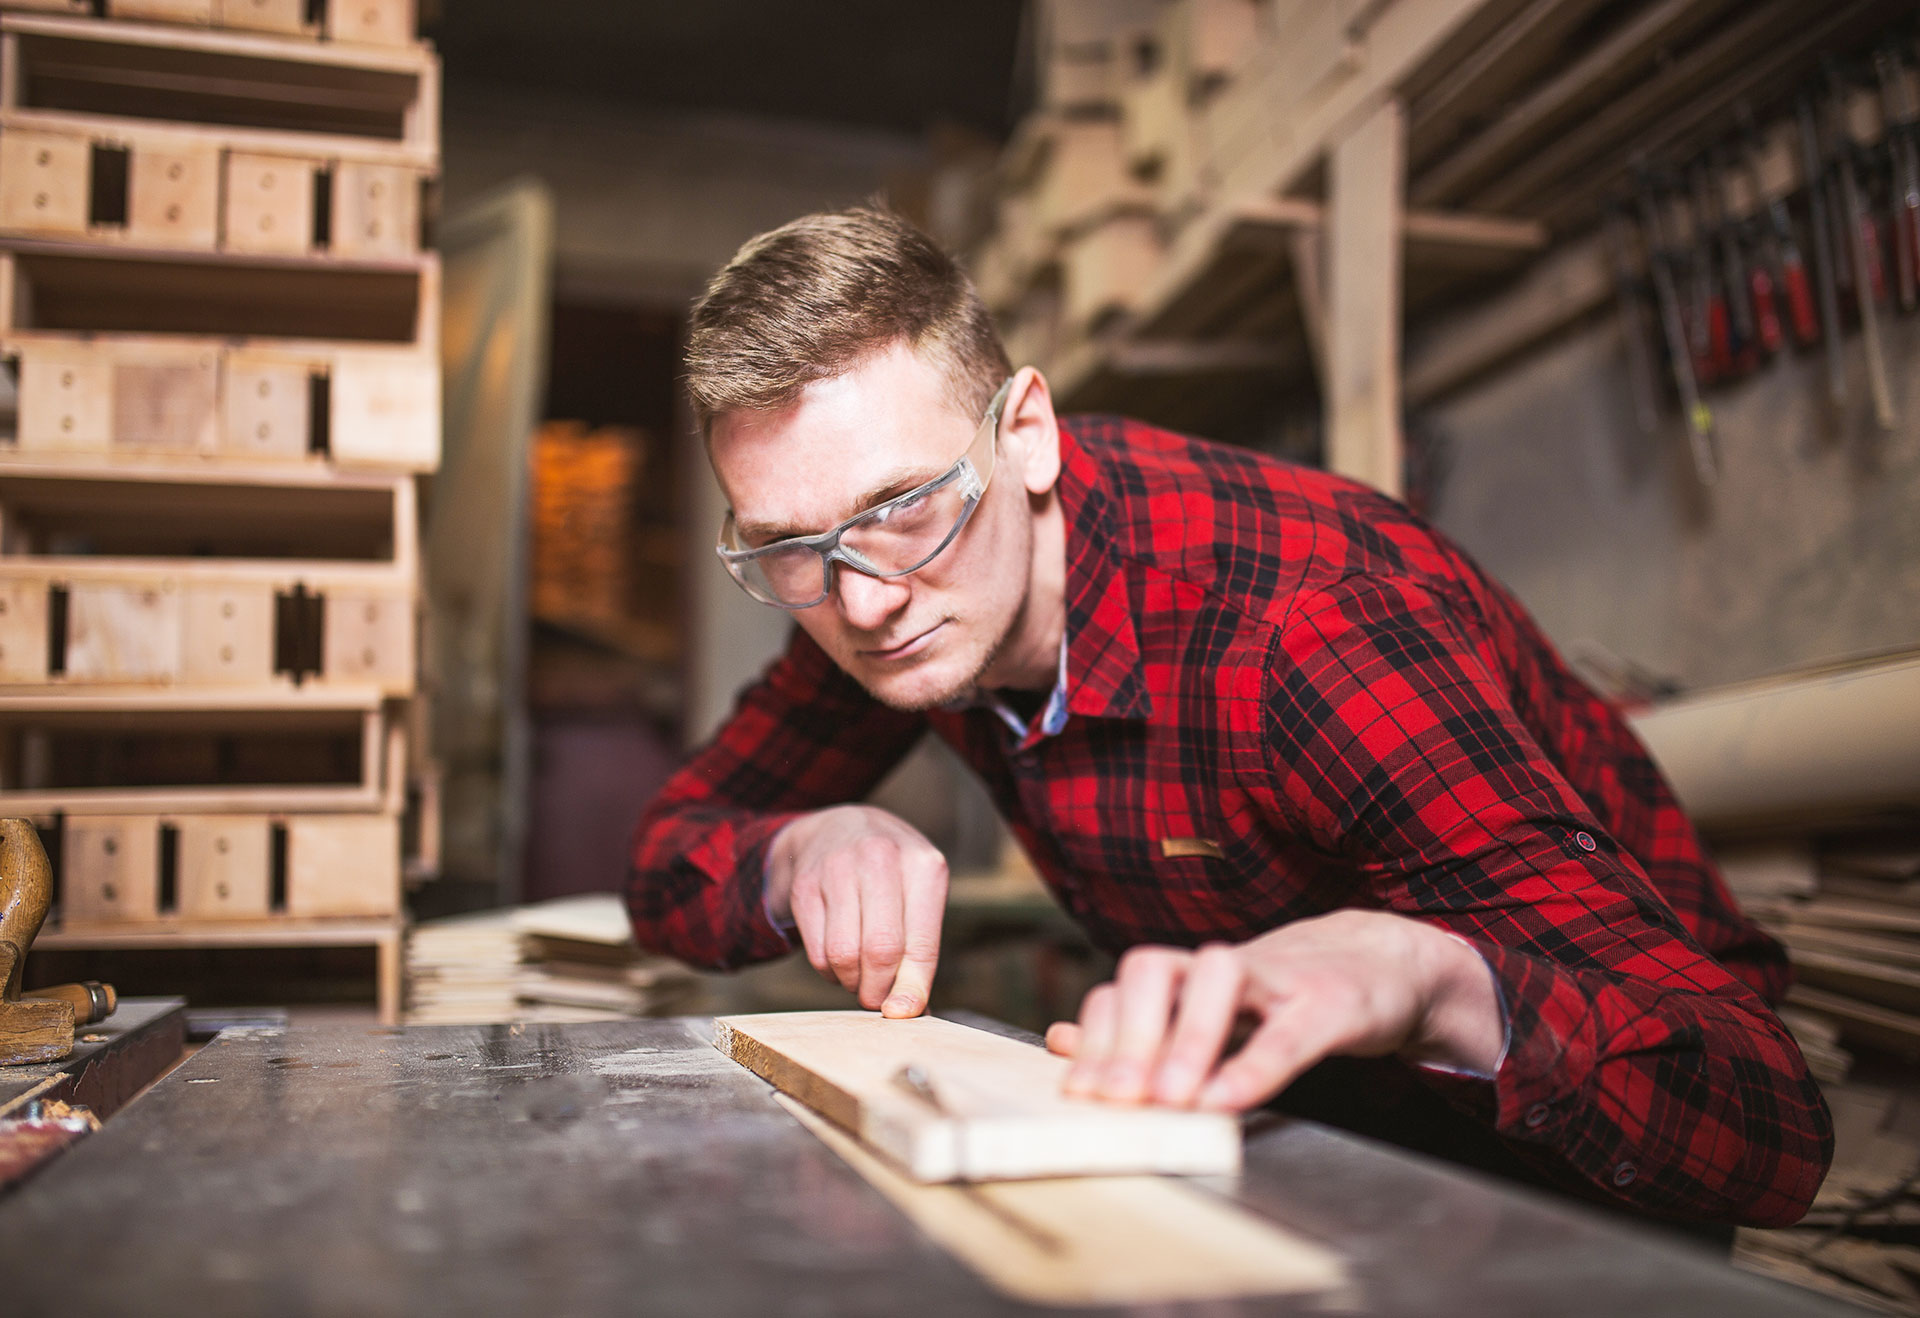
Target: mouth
906,649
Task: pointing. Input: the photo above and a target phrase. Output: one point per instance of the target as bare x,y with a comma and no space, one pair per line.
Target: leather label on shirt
1174,847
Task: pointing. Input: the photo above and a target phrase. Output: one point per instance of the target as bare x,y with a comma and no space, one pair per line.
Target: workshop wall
1808,549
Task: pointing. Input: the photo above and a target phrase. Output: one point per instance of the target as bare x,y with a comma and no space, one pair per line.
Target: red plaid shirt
1305,675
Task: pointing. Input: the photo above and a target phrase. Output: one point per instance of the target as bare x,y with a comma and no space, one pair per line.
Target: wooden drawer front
343,865
127,633
110,869
23,631
369,638
229,634
225,863
173,197
263,15
167,405
386,412
269,206
164,11
66,401
376,210
44,181
268,409
374,22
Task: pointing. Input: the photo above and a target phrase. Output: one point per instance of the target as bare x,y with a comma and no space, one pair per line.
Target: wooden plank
173,195
268,204
170,136
66,400
171,404
371,22
93,802
287,16
23,631
266,408
369,638
123,632
44,182
1879,1026
277,931
111,869
376,210
343,867
229,634
225,865
1000,1114
1362,383
1097,1241
385,411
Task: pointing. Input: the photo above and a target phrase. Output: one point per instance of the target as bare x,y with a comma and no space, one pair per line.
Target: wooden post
1361,385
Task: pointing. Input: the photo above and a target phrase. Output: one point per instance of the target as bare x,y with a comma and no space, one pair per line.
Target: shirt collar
1105,677
1100,674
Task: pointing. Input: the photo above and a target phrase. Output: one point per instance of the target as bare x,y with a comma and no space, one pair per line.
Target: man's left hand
1353,983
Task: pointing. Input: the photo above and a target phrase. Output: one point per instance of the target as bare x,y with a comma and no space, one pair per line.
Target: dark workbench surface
628,1168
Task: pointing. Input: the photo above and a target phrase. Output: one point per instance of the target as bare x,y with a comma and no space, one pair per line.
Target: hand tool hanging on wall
1742,317
1780,250
1869,276
1825,273
1903,145
1708,332
1633,327
1701,440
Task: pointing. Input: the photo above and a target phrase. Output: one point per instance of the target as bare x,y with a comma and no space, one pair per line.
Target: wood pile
567,960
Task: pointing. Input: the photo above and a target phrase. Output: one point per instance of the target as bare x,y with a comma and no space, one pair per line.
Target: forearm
1679,1103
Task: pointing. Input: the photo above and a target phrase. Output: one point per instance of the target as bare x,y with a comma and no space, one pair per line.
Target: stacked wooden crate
221,323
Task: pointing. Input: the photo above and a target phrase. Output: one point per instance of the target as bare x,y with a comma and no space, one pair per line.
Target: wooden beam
984,1107
1361,387
1309,251
1558,291
1177,357
1615,60
1429,228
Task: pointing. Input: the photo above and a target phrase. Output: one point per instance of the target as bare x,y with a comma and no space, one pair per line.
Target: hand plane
36,1026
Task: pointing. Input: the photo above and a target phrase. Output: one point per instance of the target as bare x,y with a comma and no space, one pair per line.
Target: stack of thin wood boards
568,960
1850,919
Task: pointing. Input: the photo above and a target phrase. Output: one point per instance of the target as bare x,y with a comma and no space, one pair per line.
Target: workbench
628,1167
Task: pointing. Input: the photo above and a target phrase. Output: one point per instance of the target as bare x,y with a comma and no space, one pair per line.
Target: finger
842,937
1063,1038
1148,981
1292,1038
881,934
809,911
924,907
1096,1039
1210,1002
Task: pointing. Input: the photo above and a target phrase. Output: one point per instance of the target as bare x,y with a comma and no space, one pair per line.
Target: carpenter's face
849,444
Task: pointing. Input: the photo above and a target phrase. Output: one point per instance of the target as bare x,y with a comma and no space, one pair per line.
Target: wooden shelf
281,85
89,289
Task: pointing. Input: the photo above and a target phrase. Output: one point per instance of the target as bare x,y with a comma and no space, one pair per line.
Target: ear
1031,432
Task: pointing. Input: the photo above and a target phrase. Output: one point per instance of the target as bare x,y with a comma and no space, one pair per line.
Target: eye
904,508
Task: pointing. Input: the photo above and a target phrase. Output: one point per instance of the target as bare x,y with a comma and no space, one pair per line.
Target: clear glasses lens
788,576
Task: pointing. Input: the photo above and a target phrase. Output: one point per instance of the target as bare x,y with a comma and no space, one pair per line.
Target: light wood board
1120,1240
1000,1113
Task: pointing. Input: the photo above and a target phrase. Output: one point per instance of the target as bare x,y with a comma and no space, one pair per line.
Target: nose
864,601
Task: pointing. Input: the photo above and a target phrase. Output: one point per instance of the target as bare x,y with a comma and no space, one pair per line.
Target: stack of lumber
1852,928
568,960
222,324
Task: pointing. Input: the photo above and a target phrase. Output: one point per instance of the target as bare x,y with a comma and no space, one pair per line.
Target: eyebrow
898,482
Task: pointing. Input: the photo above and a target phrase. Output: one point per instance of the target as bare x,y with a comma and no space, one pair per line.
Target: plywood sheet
1119,1240
997,1112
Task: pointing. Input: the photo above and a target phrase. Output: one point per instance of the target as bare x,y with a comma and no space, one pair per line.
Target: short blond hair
808,300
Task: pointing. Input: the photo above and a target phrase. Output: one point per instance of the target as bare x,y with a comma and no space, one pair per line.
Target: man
1263,732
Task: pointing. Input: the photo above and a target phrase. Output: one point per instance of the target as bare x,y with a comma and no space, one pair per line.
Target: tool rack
219,317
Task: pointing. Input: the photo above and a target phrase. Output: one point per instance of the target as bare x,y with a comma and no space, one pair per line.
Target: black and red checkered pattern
1301,672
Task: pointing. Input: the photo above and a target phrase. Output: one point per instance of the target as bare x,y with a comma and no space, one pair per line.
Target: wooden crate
288,17
370,86
251,403
197,627
129,750
262,524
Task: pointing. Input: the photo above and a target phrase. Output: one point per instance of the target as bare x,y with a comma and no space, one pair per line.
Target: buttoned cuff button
1537,1116
1584,840
1624,1174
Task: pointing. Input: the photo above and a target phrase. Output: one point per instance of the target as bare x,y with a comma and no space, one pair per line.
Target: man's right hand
867,893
